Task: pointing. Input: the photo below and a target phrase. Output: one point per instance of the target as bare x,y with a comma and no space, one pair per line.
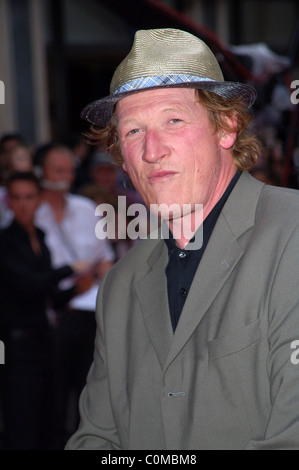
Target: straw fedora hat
165,58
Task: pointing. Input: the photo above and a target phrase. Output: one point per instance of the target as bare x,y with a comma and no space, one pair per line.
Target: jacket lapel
151,291
218,262
220,258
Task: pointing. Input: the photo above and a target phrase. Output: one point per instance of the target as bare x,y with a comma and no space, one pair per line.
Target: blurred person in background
120,244
28,285
69,224
106,174
18,157
7,143
82,153
10,140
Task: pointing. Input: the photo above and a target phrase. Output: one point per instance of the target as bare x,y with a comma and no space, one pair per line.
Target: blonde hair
245,150
247,147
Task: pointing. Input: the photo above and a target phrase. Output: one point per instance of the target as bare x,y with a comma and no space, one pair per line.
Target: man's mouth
162,175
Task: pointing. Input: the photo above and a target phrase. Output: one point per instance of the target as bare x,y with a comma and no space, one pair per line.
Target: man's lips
161,175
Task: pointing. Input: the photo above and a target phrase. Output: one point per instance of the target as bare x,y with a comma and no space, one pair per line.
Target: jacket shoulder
277,215
279,203
135,260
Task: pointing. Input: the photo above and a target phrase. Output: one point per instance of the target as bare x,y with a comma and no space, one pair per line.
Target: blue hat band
158,81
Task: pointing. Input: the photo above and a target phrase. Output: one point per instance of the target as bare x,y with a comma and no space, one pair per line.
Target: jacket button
176,394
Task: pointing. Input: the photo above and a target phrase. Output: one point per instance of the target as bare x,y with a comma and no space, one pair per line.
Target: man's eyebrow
176,107
131,120
126,122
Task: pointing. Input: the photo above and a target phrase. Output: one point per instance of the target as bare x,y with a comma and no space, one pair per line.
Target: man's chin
167,211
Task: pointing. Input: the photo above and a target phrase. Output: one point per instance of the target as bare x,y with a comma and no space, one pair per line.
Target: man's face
170,150
24,199
59,168
20,159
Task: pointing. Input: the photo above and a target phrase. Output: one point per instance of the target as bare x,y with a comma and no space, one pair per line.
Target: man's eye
175,120
133,131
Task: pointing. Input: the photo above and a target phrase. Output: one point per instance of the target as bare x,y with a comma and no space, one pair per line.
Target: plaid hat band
159,81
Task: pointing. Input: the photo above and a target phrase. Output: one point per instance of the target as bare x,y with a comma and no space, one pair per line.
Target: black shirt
27,280
182,264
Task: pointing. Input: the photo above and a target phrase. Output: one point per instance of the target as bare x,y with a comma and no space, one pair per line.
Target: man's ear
228,137
124,167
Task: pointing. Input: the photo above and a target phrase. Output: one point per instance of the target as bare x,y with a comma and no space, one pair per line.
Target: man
28,284
69,223
193,347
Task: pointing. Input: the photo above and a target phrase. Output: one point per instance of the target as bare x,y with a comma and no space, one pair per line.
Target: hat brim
100,111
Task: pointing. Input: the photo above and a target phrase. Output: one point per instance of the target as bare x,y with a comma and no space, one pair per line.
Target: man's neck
184,228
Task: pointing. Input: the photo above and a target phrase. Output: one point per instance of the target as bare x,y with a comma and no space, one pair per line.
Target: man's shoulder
280,202
135,260
78,201
277,216
281,191
10,229
9,235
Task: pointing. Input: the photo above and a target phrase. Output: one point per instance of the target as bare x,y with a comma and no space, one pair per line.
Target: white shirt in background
73,240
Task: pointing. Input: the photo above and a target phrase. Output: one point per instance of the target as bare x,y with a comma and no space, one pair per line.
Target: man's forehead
59,157
177,97
22,186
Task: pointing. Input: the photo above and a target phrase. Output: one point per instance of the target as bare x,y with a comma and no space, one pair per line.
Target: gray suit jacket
225,379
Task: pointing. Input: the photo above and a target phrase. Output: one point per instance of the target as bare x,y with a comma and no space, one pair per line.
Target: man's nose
155,147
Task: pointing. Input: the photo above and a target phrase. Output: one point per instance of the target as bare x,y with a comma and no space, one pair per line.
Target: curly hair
247,147
245,150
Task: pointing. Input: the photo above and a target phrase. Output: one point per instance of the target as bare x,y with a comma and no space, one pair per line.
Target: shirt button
182,255
183,292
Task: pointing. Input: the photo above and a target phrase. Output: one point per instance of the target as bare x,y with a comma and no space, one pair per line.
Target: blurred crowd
52,264
93,174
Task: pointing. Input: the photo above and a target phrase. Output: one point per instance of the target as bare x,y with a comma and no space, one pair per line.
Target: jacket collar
221,256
